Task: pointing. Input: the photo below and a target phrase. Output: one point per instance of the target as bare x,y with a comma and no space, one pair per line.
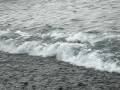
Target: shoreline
23,72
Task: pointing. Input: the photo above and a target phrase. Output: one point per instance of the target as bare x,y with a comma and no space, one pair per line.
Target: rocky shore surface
23,72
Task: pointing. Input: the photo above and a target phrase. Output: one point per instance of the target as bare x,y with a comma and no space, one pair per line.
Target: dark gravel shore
23,72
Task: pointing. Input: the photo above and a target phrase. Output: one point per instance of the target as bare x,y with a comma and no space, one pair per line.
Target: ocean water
83,33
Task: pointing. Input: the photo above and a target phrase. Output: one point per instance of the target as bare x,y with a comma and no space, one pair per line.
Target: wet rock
81,84
60,88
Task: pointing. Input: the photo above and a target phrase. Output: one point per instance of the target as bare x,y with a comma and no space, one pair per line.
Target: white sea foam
82,37
24,34
75,53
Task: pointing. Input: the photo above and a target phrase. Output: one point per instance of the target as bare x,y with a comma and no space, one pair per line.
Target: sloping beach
23,72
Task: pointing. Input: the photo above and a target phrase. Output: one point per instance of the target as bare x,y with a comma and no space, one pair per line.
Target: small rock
81,84
60,88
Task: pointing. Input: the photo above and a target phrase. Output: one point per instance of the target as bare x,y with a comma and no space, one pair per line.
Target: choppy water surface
81,33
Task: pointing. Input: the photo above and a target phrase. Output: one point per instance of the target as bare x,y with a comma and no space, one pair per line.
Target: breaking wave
96,50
